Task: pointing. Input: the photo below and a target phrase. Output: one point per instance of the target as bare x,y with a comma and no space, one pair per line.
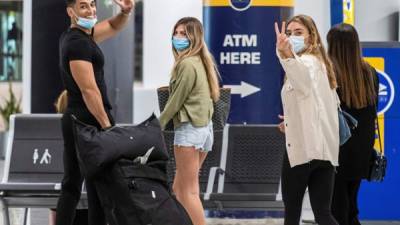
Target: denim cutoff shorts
201,138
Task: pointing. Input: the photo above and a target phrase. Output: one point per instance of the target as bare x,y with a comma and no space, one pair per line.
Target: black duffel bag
134,193
98,149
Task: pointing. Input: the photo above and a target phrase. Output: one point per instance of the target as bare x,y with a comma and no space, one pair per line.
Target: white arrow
383,89
244,89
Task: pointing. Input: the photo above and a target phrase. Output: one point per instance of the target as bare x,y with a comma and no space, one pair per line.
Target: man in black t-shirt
81,65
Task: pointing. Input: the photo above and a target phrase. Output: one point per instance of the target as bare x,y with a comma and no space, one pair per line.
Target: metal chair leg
26,216
6,213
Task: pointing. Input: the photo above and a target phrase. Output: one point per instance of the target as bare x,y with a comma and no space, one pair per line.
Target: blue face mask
180,44
86,23
297,43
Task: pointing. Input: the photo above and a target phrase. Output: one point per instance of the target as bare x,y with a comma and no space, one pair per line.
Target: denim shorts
201,138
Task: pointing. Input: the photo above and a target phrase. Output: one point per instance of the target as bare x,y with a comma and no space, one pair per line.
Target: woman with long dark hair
358,92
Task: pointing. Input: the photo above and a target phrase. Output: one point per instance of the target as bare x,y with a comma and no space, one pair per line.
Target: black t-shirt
78,45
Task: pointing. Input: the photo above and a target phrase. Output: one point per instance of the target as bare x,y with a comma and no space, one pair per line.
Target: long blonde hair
195,34
315,46
61,102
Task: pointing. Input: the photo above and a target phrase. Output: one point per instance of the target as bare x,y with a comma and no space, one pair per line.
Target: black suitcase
132,193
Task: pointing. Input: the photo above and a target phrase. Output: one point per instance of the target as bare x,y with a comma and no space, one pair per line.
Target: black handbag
377,170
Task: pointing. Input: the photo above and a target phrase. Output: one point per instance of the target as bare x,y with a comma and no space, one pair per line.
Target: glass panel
10,40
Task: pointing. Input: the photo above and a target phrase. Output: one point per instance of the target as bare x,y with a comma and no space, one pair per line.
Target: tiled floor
40,217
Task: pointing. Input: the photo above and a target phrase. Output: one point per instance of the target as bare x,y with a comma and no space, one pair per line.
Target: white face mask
297,43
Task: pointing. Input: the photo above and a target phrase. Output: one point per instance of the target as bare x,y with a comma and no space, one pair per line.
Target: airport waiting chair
34,164
249,171
221,111
243,169
212,160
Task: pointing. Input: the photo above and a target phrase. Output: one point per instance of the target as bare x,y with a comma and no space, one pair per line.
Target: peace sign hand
282,41
126,5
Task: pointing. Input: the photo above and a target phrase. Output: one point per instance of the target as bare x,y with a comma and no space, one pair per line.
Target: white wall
377,20
26,56
319,10
159,18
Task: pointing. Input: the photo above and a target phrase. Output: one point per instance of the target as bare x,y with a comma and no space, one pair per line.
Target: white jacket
310,111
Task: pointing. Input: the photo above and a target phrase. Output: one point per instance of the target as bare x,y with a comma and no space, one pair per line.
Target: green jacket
190,98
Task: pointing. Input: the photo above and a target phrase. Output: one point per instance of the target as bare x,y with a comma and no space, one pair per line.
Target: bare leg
202,157
175,185
187,182
52,217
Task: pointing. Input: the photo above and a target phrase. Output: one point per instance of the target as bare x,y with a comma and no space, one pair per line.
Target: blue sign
380,201
386,92
241,36
240,5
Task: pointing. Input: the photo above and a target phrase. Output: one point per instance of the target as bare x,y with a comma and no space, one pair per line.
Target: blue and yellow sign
342,11
348,11
241,36
379,201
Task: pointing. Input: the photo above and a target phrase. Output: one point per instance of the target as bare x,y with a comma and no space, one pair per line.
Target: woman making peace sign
310,121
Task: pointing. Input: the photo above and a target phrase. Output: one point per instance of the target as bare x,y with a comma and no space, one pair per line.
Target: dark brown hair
355,79
70,2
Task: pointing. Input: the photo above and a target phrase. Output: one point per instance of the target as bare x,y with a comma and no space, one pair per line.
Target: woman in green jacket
193,89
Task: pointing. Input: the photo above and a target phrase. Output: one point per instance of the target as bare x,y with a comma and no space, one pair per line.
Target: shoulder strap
374,73
338,101
379,136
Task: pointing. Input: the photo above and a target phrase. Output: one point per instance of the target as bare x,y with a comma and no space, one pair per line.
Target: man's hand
110,27
107,128
126,5
281,126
